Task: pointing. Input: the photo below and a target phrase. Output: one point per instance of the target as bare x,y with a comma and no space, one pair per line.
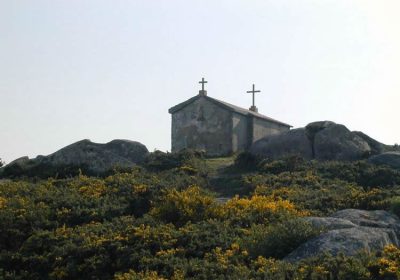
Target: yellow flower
63,231
139,189
320,269
262,264
148,275
258,206
3,202
391,249
93,190
169,252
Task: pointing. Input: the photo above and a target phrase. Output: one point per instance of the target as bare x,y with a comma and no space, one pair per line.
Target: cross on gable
253,92
202,82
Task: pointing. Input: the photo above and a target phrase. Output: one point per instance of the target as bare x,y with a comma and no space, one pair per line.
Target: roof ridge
227,105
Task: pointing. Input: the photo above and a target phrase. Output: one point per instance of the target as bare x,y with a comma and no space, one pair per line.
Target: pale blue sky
102,70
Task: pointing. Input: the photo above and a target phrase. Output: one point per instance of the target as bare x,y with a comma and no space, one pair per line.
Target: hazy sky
103,70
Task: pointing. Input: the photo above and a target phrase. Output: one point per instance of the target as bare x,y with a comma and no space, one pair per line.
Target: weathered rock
376,147
100,156
391,159
313,128
377,218
336,142
323,140
293,142
349,241
21,160
327,223
91,158
350,231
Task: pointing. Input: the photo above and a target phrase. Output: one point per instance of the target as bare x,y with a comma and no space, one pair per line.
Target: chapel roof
225,105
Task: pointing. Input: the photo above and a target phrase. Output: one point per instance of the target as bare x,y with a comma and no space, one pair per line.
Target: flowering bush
258,209
180,207
162,222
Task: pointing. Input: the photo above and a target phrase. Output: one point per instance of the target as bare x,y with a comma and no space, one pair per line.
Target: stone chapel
219,128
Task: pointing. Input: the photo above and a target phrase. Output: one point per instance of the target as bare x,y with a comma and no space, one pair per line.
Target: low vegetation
166,220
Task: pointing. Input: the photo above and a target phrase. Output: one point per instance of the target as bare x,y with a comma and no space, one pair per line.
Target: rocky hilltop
324,140
86,156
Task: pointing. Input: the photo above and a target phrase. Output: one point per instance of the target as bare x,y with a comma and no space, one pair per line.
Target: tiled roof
225,105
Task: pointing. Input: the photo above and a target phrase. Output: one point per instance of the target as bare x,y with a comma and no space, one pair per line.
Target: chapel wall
202,125
240,126
262,128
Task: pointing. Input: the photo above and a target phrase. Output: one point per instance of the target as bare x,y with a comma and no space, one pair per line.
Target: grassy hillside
179,216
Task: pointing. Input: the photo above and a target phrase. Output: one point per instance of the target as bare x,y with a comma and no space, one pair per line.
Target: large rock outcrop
318,140
86,156
336,142
376,147
350,231
293,142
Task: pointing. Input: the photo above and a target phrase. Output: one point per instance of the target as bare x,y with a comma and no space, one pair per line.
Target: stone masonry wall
202,125
262,128
240,134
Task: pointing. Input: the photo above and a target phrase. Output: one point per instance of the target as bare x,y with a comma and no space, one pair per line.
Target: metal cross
202,82
253,92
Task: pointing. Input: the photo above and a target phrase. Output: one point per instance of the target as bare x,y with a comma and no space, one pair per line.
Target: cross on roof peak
202,91
253,91
202,82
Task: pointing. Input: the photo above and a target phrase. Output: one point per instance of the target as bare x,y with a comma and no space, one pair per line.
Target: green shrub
287,164
395,205
159,161
278,240
147,223
247,161
179,207
359,172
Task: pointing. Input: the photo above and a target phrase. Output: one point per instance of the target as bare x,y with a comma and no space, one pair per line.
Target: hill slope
162,221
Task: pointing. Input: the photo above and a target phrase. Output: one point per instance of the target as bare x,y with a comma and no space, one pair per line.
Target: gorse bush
360,172
247,161
278,240
161,221
180,207
258,209
158,161
310,191
194,204
395,205
287,164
